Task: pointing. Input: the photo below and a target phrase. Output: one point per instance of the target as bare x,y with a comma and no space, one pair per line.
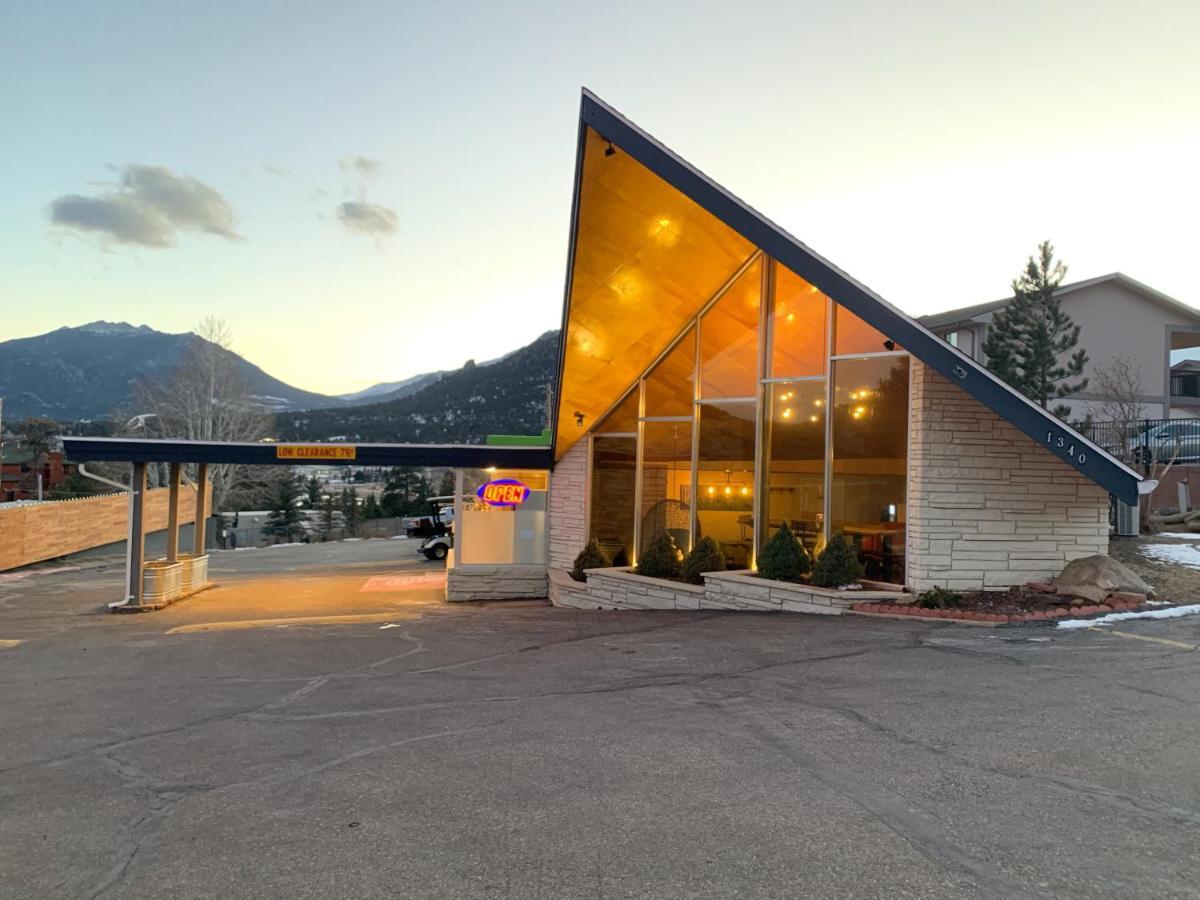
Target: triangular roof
771,239
967,313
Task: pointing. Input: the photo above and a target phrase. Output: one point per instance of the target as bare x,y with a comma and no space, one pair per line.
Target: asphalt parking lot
290,734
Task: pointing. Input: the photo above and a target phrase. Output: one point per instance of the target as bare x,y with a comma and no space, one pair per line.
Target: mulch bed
1024,603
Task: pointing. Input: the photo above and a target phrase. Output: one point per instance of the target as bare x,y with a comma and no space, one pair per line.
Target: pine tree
1028,338
312,487
327,518
837,564
783,557
284,518
350,511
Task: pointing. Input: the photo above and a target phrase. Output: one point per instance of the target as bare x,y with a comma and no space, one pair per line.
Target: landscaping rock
1095,577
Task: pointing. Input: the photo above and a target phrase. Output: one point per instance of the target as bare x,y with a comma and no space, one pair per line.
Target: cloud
149,207
363,166
367,218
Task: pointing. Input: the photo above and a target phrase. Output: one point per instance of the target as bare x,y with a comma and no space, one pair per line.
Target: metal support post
201,509
137,533
173,515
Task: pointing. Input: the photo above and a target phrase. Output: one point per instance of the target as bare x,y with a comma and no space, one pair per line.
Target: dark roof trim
467,456
580,143
1036,422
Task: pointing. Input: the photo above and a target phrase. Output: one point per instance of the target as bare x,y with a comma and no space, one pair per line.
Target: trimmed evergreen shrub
784,558
621,559
660,559
837,564
706,556
939,598
590,557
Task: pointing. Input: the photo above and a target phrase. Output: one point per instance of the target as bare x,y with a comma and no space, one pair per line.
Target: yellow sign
315,451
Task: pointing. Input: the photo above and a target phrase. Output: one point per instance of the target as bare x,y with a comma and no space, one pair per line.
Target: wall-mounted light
578,419
889,344
610,150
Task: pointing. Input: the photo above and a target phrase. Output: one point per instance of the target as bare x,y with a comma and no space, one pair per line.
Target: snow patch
1185,535
1173,554
1112,618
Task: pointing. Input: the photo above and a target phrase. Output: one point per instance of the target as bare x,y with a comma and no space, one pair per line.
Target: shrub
837,564
783,557
590,557
940,598
706,556
660,559
621,559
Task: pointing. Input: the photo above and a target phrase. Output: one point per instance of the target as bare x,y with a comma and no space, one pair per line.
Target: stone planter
195,572
162,582
567,592
746,591
495,582
621,588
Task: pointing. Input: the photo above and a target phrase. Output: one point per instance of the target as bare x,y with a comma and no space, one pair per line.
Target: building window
798,327
725,479
729,339
870,460
666,482
670,388
852,335
613,495
794,445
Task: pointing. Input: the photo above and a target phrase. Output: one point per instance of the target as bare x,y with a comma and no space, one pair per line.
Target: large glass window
613,497
670,388
503,518
624,418
794,446
725,479
870,450
666,482
799,327
852,335
729,339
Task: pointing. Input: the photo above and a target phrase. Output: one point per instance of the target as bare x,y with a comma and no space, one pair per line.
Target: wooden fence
35,532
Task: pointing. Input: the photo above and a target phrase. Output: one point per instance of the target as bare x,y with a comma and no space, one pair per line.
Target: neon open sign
503,492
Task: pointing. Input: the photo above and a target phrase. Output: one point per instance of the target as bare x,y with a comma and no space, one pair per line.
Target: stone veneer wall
480,582
989,507
568,506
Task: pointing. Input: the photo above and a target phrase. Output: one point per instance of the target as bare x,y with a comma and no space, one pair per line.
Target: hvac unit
1127,519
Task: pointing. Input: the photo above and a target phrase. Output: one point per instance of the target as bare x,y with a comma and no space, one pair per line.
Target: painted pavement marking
1145,637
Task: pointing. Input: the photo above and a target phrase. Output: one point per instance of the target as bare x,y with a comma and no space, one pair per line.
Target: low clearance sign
503,492
315,451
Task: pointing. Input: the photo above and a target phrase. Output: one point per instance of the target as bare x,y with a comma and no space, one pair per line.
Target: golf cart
441,531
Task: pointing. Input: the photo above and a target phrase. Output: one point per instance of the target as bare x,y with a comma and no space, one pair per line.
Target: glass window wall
799,326
670,388
729,339
725,480
666,482
870,460
613,497
794,446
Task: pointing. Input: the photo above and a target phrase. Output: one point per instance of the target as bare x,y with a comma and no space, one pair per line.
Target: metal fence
1139,442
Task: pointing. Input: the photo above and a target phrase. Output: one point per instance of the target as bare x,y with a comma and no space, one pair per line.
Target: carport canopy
141,452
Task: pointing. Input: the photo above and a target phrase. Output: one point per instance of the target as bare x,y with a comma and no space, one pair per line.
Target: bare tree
1119,385
205,398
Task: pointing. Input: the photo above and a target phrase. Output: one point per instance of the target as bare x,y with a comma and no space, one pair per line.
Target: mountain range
87,372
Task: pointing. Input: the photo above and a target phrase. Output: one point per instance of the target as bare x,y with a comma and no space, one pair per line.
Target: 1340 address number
1060,443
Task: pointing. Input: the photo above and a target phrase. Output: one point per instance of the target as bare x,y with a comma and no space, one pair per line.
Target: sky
364,191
